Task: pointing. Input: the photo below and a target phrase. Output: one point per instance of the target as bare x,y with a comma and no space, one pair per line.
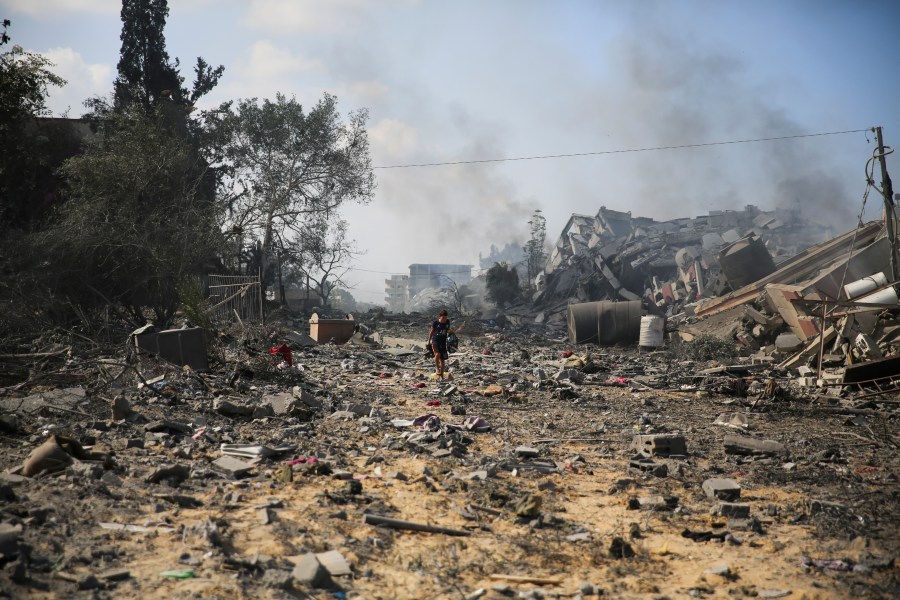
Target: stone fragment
358,410
527,452
334,562
732,510
309,571
307,398
6,493
619,548
722,489
89,582
277,579
740,444
234,467
230,409
120,408
115,575
172,475
342,415
167,425
720,569
660,444
353,487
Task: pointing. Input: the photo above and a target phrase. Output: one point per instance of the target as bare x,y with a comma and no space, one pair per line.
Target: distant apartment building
396,291
423,276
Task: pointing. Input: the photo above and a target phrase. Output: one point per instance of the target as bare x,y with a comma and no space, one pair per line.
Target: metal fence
233,296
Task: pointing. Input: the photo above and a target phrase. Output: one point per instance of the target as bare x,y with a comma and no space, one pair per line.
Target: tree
291,167
139,218
502,283
30,149
321,254
535,256
146,76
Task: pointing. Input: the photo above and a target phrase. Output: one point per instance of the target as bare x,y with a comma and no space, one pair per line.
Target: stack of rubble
614,256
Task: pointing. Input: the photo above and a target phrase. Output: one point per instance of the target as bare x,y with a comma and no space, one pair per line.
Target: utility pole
887,190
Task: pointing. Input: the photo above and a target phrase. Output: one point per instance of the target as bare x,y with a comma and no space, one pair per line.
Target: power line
407,272
626,151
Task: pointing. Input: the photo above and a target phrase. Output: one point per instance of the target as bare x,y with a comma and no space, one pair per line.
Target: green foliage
31,149
146,76
26,79
139,218
291,167
502,283
192,302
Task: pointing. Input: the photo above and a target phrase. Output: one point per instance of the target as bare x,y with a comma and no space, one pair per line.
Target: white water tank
857,288
652,329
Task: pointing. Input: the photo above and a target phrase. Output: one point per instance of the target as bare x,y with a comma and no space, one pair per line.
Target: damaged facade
763,280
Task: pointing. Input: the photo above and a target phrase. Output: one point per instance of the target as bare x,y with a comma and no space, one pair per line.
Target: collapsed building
614,256
789,293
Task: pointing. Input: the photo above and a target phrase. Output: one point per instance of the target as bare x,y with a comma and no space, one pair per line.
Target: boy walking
440,329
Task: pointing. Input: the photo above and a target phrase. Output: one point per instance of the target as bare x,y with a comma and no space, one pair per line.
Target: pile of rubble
539,469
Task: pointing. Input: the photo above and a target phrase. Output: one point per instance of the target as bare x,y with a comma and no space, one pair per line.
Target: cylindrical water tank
857,288
746,261
604,322
652,329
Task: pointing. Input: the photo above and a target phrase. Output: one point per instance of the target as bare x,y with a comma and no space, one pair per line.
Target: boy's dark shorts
439,344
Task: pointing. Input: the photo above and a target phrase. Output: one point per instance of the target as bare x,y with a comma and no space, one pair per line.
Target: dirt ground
570,519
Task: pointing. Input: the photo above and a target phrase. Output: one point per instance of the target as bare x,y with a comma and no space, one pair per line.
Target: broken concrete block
722,489
738,444
230,409
179,346
732,510
788,342
306,398
234,467
358,410
280,403
120,408
309,571
527,452
172,475
334,562
660,444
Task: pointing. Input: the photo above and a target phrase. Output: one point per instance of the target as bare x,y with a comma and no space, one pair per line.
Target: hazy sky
483,79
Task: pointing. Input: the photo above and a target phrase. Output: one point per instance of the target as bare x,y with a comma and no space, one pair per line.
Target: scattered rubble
753,454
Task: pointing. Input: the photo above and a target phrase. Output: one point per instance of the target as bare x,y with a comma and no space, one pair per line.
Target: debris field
537,469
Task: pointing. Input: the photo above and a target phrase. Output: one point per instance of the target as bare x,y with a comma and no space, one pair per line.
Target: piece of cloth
285,353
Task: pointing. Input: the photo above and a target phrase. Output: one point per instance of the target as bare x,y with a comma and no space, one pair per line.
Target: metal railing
238,296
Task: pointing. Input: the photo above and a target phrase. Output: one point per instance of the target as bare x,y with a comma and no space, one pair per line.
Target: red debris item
433,403
565,353
619,380
418,385
285,353
486,352
384,375
299,461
